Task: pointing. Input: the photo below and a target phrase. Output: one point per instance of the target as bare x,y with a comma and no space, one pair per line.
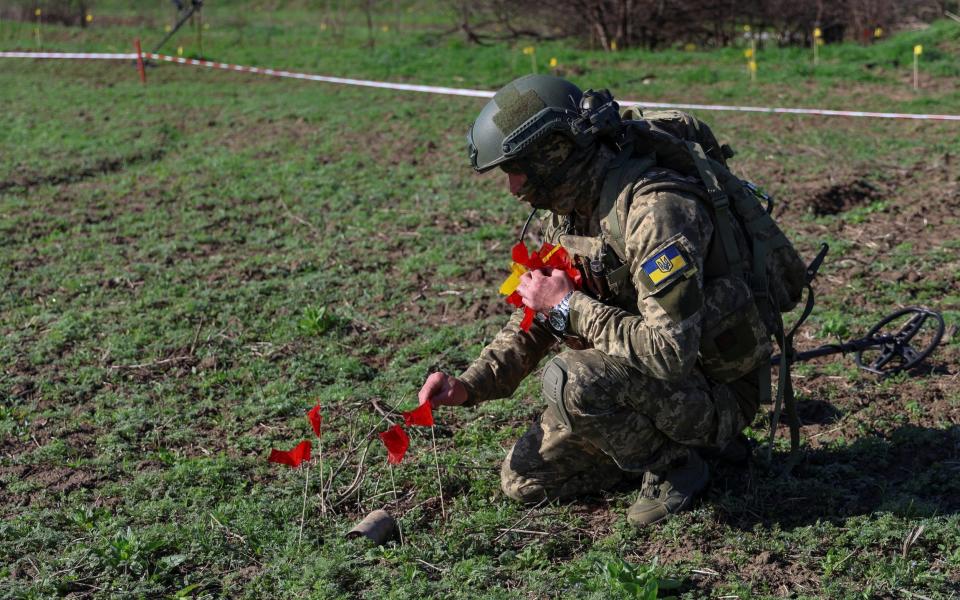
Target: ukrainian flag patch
665,264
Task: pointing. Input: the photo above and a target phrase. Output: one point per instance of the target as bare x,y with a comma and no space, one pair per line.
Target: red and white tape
449,91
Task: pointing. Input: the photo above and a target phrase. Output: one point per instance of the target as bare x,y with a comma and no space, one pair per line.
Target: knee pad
554,380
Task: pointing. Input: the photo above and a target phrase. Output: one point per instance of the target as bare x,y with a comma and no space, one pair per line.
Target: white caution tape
448,91
796,111
430,89
83,55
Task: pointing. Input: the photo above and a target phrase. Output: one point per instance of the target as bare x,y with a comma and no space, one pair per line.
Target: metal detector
887,348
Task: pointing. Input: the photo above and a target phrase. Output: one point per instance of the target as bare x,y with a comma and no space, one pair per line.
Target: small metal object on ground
378,527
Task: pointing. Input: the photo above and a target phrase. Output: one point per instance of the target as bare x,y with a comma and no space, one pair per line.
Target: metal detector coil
895,354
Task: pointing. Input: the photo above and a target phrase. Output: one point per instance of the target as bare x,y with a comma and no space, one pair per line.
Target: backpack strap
721,207
623,172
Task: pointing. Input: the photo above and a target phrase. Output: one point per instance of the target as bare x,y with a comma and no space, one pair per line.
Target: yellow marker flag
613,45
37,12
748,53
918,50
878,32
89,18
179,50
752,65
817,33
553,62
510,285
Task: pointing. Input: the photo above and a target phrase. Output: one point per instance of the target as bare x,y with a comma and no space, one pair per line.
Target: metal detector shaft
183,19
828,349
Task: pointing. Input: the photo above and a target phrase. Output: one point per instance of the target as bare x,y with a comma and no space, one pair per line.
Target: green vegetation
188,266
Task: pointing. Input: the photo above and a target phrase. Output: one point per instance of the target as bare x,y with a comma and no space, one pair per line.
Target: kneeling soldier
629,399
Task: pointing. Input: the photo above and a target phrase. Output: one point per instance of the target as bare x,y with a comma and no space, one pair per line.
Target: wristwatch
559,316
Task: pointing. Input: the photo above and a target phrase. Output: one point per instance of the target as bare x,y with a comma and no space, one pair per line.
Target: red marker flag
421,415
396,441
315,418
293,457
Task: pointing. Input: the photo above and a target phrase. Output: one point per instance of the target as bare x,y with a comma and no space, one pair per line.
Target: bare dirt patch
74,174
842,196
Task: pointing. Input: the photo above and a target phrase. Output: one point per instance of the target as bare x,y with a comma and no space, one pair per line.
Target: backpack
769,269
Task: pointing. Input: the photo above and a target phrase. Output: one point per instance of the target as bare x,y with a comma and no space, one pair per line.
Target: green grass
188,266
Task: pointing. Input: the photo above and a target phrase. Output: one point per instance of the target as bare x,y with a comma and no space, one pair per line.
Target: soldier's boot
662,495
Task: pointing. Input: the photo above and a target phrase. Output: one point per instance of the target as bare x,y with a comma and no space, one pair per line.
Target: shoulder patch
667,276
665,265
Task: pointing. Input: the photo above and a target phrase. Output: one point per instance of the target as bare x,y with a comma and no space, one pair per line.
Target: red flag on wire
396,441
293,457
315,418
421,415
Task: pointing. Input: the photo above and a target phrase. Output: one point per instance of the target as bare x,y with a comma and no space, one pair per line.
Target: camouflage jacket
654,320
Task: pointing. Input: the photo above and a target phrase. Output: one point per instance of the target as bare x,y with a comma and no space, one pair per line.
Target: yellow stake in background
917,51
36,30
532,52
751,54
817,36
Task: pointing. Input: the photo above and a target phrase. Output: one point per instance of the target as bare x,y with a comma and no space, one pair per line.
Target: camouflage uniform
634,399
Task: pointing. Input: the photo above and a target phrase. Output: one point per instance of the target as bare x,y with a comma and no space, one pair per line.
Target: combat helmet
527,110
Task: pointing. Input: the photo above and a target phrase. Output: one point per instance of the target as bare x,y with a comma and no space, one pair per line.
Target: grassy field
189,265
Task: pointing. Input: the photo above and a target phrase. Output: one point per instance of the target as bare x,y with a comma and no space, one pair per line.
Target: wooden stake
393,482
140,69
396,498
436,461
323,503
303,511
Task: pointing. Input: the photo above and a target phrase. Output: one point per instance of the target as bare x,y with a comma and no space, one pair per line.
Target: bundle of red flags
549,256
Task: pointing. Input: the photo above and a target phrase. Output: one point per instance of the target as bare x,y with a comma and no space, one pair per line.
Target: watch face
558,320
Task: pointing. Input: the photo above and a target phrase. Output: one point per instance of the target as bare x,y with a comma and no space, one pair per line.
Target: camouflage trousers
607,422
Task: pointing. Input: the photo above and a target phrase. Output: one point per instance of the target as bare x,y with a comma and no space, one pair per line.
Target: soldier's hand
441,389
543,289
